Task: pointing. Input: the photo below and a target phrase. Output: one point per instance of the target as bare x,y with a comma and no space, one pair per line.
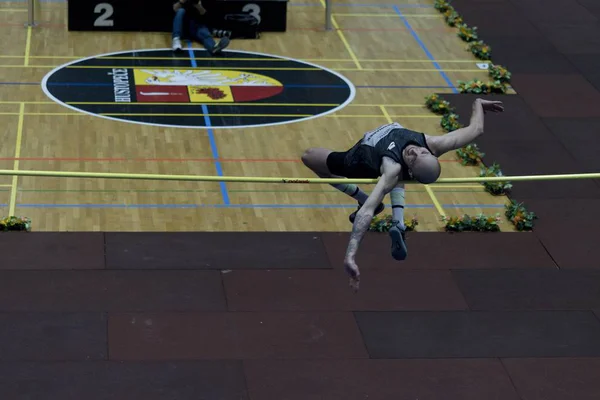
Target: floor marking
385,114
345,42
435,201
224,115
211,134
183,160
157,191
424,48
246,59
386,15
15,179
27,46
359,68
288,86
220,104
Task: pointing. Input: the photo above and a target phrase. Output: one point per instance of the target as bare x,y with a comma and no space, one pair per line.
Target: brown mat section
568,229
393,289
547,95
480,334
222,380
581,137
541,158
379,380
215,250
432,250
593,6
555,11
52,336
577,38
522,144
517,123
555,378
234,336
49,250
111,290
544,289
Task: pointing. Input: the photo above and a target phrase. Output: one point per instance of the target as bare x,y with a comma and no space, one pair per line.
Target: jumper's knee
315,159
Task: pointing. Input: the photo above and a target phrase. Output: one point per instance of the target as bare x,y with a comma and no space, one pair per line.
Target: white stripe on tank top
371,138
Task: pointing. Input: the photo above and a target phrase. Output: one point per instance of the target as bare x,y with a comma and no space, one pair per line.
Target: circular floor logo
193,89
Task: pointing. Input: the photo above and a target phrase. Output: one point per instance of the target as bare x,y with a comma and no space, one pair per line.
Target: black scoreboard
157,15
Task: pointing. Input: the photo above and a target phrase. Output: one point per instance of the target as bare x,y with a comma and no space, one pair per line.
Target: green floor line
213,191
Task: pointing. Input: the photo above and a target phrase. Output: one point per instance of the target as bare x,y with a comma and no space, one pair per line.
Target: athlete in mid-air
395,155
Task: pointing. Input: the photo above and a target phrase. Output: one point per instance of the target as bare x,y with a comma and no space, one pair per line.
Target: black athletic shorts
353,163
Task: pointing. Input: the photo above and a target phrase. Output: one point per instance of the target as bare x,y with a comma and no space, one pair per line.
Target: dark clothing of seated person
190,23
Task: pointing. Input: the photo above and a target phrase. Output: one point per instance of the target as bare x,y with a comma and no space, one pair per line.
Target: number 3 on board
106,11
252,9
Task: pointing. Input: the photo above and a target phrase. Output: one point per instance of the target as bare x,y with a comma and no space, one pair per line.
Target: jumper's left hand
493,106
352,270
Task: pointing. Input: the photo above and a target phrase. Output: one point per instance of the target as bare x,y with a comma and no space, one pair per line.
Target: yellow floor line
387,15
13,190
359,68
222,115
385,114
27,46
345,42
435,201
250,59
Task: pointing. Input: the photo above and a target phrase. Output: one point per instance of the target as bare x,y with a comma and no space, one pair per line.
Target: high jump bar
262,179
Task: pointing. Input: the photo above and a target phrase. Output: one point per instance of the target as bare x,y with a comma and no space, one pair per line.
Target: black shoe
378,210
398,236
223,43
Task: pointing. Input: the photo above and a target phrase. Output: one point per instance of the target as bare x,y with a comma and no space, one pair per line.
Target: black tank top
385,141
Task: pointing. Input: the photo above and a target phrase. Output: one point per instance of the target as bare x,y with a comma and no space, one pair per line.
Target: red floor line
79,159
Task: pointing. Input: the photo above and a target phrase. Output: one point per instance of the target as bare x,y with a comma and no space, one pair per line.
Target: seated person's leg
177,34
205,37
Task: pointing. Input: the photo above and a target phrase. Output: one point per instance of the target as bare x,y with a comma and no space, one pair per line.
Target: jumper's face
412,153
423,166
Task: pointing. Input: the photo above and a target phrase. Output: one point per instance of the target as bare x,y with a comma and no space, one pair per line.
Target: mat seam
510,379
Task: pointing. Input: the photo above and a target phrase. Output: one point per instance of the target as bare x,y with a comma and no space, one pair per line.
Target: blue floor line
211,135
415,35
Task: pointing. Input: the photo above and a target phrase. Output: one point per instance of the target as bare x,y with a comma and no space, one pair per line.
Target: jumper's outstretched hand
352,270
493,106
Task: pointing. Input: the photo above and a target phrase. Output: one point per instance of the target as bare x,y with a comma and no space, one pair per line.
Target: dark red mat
378,379
70,291
568,229
93,380
482,334
49,251
214,250
53,336
555,378
527,289
432,250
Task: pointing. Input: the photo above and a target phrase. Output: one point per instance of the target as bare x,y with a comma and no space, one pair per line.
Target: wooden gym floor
394,56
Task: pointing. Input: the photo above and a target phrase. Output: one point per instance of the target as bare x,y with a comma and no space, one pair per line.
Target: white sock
352,191
397,197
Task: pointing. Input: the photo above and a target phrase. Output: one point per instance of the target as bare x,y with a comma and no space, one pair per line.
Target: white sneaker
177,44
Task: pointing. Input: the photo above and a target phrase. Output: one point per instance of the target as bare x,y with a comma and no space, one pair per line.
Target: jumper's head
423,166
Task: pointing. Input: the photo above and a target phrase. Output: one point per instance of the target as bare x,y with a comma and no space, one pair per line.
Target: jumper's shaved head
426,169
